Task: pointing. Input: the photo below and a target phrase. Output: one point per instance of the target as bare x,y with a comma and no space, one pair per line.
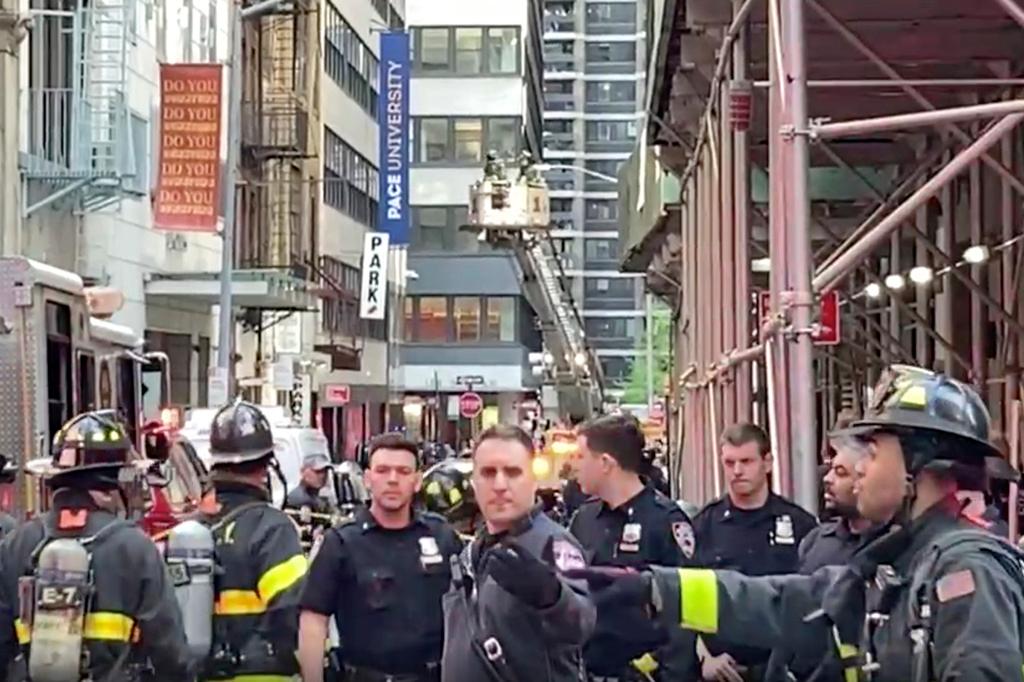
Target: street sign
470,404
829,332
469,380
337,394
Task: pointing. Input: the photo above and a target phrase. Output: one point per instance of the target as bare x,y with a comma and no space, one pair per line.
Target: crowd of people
456,572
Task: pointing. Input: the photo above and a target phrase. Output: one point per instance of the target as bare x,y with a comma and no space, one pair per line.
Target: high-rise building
594,57
476,87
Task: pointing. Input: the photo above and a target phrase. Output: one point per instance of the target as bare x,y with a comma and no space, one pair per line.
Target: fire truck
59,356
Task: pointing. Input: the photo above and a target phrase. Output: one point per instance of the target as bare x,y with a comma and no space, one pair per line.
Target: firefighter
446,490
935,599
102,607
261,565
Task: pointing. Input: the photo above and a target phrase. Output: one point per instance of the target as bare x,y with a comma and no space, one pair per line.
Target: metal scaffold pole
12,32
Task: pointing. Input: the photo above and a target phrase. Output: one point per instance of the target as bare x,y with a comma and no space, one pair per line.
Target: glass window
433,319
433,139
469,55
607,167
465,242
600,249
561,205
610,327
409,320
611,13
502,49
618,287
433,221
501,318
467,318
602,209
433,46
502,136
611,91
607,53
611,131
469,134
556,126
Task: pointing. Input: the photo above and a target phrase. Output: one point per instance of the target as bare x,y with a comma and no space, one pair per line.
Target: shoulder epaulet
712,504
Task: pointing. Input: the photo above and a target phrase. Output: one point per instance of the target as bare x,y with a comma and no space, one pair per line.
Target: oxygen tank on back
60,599
190,563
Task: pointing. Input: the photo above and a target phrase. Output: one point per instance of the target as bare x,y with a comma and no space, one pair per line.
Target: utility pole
13,29
225,341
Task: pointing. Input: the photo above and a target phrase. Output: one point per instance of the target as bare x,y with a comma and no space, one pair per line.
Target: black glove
615,587
523,575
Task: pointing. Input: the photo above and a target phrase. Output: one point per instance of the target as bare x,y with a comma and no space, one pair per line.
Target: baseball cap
317,461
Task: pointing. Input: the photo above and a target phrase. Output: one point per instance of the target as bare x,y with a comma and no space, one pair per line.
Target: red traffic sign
470,404
337,394
829,332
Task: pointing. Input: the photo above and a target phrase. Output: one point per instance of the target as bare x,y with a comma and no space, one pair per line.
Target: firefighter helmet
447,490
240,433
92,441
912,401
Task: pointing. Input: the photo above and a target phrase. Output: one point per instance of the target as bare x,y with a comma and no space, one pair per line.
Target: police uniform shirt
384,588
755,542
302,496
648,530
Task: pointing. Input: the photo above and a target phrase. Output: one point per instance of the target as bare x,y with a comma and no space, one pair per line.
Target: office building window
558,88
616,370
409,319
351,182
432,54
608,167
466,50
611,53
610,92
436,228
611,131
433,224
469,50
469,136
601,209
464,140
466,311
561,205
349,62
501,318
610,327
619,14
600,249
558,126
432,321
611,287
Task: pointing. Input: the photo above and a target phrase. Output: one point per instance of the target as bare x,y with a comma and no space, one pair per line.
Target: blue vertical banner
393,122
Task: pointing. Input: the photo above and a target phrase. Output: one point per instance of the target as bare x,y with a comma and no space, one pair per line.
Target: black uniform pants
353,674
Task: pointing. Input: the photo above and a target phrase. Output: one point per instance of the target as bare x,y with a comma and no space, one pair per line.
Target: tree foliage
636,383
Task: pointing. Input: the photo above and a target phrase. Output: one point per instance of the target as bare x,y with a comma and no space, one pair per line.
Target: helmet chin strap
275,467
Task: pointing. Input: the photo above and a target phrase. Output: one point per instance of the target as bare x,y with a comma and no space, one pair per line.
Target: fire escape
78,143
277,210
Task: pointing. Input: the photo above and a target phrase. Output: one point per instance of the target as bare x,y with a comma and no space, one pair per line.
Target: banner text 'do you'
188,185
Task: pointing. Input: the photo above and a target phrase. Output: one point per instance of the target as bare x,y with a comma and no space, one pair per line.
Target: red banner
188,185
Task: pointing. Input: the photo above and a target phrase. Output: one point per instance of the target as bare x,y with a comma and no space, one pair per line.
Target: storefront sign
393,121
188,185
374,290
336,394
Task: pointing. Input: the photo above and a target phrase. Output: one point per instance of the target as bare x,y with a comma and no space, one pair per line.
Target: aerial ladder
514,213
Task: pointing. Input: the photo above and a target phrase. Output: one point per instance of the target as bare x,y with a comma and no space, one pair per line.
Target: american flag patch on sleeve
955,585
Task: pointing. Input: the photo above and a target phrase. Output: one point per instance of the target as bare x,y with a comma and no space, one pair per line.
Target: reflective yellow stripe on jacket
698,597
100,625
273,582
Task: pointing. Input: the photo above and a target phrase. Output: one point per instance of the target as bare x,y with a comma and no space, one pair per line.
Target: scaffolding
837,149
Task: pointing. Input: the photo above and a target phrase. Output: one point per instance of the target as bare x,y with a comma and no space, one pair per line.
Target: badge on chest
782,532
430,553
631,533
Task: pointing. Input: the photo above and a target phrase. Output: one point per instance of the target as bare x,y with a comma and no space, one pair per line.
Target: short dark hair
618,436
392,441
745,432
505,432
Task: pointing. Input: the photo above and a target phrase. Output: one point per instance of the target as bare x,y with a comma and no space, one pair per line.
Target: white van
291,444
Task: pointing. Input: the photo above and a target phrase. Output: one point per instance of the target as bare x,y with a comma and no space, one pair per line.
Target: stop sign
470,404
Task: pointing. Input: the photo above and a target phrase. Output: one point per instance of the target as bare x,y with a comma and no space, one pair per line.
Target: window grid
350,62
351,182
468,50
464,140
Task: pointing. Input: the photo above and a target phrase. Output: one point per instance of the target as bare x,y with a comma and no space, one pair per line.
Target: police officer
314,471
629,523
749,529
934,599
511,616
131,619
381,576
261,564
8,473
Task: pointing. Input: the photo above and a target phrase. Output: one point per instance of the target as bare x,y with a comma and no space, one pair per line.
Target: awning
266,289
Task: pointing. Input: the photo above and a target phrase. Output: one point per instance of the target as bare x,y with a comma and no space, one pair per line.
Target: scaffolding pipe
834,272
1013,9
1014,457
773,428
913,93
826,131
741,222
713,435
876,83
